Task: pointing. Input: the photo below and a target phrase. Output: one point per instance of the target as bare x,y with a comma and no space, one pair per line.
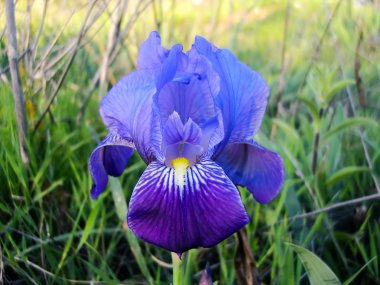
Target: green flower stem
121,210
177,266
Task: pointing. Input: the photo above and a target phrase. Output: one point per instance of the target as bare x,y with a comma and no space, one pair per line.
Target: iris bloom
191,117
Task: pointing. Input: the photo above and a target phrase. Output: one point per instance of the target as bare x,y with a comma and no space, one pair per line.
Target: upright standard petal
152,54
242,99
203,212
253,166
127,107
110,157
190,94
193,100
243,92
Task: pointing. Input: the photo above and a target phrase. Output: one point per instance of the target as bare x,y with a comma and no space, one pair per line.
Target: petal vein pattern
243,92
110,157
126,109
205,211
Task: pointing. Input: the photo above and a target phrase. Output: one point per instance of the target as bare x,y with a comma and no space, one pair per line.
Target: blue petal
175,131
191,94
151,54
168,69
193,100
253,166
212,134
181,140
127,108
110,157
201,67
243,92
204,212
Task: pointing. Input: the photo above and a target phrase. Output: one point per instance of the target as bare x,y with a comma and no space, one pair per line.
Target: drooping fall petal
205,211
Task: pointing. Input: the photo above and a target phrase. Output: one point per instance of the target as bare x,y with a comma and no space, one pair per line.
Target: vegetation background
321,60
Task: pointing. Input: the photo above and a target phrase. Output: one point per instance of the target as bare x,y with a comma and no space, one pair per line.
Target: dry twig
82,32
18,95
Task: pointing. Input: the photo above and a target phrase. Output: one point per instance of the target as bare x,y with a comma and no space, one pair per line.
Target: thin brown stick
113,33
315,152
20,57
39,31
245,264
67,67
313,214
25,43
336,206
122,36
72,281
314,162
18,95
52,44
358,79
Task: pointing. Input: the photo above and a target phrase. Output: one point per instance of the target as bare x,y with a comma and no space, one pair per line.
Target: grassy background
322,62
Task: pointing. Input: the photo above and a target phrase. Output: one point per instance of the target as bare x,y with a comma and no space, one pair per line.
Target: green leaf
336,88
312,107
290,131
121,210
70,240
100,272
89,225
340,174
351,122
317,271
118,198
349,280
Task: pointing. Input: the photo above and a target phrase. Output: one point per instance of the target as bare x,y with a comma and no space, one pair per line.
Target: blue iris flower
191,117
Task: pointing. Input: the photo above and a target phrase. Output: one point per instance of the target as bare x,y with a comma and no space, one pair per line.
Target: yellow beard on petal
180,166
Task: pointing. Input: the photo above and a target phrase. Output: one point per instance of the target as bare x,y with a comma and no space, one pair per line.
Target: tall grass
321,60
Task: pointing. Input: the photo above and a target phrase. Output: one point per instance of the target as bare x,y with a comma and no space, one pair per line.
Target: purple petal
200,66
193,100
204,212
190,93
151,54
127,108
243,92
181,140
212,134
191,132
175,131
253,166
168,69
110,157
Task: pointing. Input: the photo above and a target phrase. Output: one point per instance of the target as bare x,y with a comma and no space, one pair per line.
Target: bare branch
113,33
336,206
18,95
38,35
67,67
